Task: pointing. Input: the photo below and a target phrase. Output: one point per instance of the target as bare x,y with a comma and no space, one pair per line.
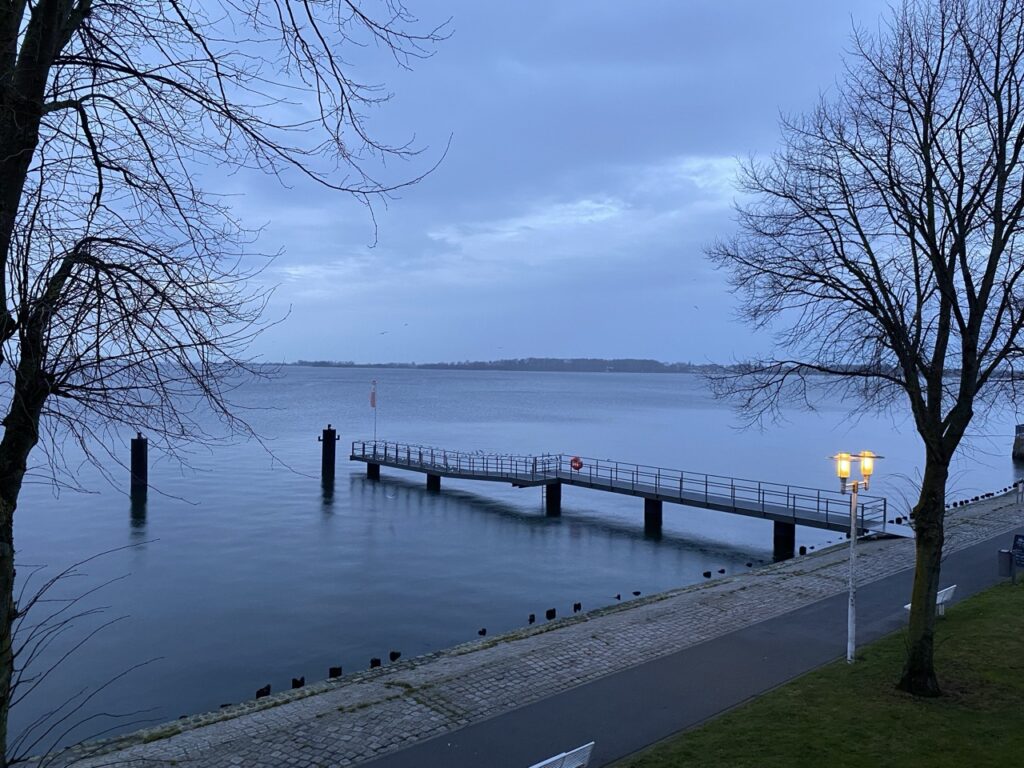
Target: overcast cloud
593,149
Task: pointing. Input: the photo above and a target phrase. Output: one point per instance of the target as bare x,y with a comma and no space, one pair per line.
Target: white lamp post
866,459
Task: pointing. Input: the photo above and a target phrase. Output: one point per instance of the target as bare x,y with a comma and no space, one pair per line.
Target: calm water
244,573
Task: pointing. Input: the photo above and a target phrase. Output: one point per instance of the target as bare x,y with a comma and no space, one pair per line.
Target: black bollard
531,619
707,574
618,596
395,655
803,550
140,466
374,663
333,672
482,631
329,438
636,593
263,692
298,682
577,607
550,614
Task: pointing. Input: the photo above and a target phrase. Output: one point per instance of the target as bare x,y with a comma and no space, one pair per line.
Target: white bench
577,758
943,597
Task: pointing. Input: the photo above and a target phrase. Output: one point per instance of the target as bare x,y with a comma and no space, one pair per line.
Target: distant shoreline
536,364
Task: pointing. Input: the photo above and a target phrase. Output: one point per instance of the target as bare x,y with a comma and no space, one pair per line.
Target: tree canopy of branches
126,295
883,243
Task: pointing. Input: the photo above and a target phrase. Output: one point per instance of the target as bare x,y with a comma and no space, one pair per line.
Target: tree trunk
7,615
21,433
919,672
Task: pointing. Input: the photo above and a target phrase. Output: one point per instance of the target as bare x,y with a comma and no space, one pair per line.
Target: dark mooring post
140,467
1018,444
652,516
553,499
433,482
785,541
329,438
372,471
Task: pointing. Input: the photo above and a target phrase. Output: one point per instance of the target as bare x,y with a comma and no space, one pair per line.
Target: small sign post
373,405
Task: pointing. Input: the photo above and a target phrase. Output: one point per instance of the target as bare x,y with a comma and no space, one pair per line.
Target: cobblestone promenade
369,714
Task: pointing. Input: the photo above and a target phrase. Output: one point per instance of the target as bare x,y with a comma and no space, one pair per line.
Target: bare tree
126,292
883,243
55,621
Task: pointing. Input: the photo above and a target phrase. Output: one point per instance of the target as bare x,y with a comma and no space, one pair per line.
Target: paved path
630,710
626,676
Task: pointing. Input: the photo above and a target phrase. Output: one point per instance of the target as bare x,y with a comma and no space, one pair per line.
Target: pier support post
1018,444
553,499
328,439
785,541
140,467
433,482
652,516
372,471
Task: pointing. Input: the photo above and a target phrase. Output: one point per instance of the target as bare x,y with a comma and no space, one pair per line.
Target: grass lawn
843,715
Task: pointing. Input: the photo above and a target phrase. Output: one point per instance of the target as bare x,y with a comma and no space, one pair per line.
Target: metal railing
748,496
830,507
513,467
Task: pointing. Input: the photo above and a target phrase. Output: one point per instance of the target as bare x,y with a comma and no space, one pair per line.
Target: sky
592,158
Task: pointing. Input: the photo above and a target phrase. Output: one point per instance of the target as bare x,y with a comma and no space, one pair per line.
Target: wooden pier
785,505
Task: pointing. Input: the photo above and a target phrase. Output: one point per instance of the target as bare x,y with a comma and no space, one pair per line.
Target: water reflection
453,503
138,512
653,532
355,569
327,493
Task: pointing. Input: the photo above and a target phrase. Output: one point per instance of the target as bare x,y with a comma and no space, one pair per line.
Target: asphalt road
632,709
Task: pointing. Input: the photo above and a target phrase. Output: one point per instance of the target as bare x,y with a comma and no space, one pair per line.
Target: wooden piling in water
1018,444
328,439
140,467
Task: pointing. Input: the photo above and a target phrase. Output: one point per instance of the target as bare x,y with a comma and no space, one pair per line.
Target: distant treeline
575,365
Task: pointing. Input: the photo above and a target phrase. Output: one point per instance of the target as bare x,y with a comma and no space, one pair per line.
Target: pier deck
783,504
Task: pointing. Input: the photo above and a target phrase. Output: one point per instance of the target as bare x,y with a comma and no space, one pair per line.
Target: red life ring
576,463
